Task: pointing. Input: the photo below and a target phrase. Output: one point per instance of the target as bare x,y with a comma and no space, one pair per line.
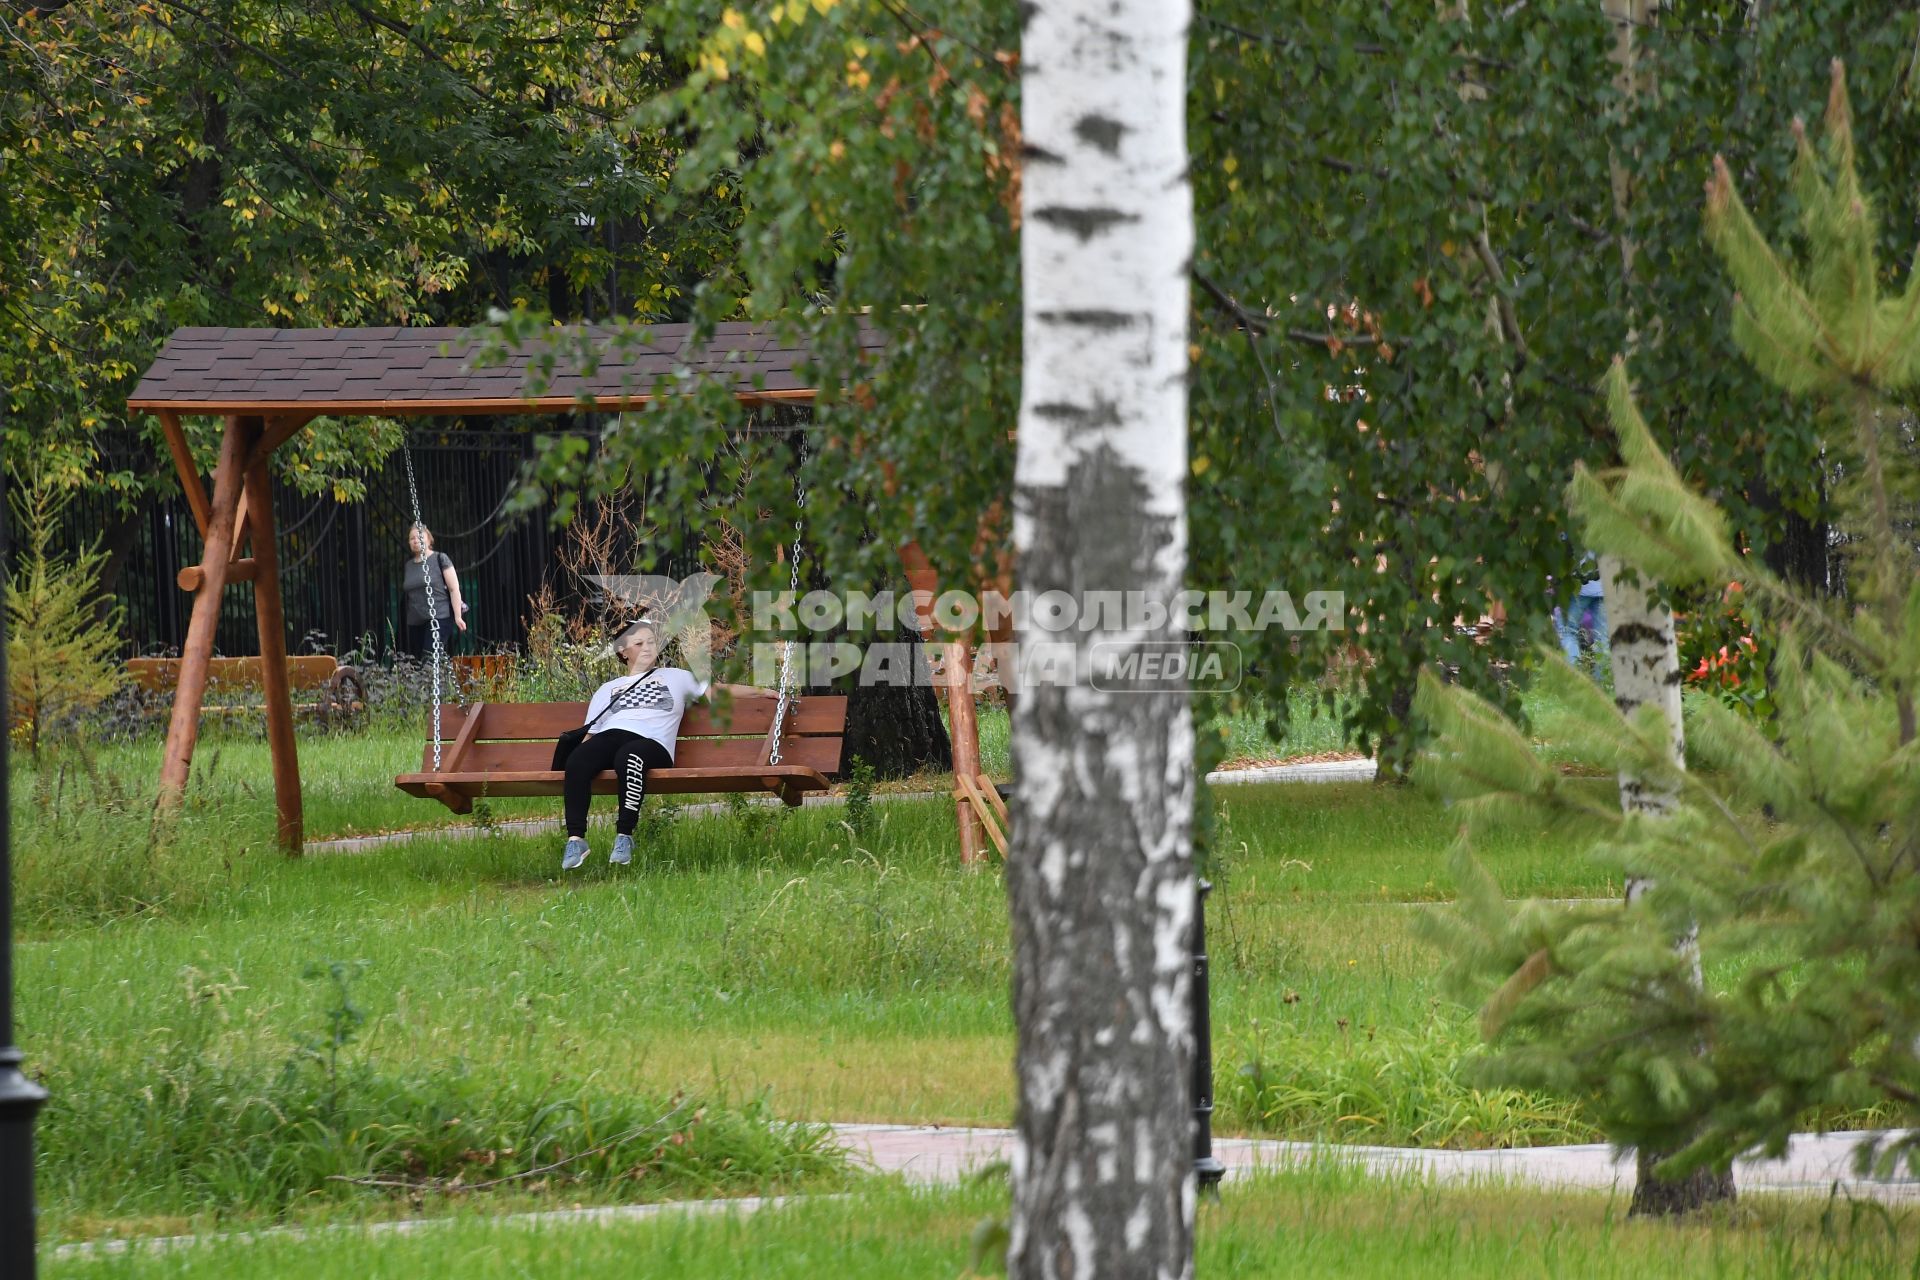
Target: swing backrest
517,737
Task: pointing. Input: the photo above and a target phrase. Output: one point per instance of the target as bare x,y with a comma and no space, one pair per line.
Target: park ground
235,1041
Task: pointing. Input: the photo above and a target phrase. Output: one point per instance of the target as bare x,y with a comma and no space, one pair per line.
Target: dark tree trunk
1796,547
117,542
1394,750
1655,1198
898,729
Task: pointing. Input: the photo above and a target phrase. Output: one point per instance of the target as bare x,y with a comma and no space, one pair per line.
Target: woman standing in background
447,605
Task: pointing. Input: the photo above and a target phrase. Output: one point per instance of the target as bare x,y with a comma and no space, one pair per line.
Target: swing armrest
766,743
450,759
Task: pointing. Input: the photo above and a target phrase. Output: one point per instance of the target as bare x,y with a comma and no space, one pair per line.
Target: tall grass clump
202,1118
1385,1086
892,932
88,848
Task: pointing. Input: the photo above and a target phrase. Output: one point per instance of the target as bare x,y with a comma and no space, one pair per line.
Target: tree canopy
353,162
1409,278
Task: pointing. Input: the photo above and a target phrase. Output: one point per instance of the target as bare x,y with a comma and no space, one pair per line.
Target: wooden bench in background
485,676
504,749
340,693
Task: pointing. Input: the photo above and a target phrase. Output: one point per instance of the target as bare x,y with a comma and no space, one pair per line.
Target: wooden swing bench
504,749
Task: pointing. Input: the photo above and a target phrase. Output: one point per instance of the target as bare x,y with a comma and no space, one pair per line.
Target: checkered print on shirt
648,693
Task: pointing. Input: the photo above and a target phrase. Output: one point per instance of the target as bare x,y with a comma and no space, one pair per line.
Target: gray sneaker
575,854
622,851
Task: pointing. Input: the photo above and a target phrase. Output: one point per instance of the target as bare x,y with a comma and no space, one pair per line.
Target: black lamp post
1206,1166
19,1096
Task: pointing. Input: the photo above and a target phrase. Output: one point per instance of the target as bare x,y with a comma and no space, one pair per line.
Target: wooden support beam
956,676
183,725
280,429
458,801
924,583
974,791
189,474
190,578
469,733
963,728
242,527
273,648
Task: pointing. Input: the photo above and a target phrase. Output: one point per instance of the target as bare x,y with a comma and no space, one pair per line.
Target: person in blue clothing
1584,614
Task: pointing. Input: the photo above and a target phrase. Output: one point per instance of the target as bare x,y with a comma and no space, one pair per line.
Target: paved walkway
1814,1163
1318,771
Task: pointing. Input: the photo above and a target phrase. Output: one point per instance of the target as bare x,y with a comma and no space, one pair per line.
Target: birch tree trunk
1099,876
1645,658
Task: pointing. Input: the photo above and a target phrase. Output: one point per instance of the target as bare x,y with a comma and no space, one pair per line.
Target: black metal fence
341,563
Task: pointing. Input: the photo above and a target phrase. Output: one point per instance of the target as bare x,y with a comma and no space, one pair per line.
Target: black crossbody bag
564,745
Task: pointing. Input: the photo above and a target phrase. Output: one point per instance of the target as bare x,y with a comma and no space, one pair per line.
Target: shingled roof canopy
429,371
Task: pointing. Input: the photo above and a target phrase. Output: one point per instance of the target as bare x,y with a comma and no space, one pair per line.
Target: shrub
61,646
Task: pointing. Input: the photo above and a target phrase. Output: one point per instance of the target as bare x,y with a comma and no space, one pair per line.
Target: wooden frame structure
267,384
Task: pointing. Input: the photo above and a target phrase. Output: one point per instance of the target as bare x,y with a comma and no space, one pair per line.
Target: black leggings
420,637
629,755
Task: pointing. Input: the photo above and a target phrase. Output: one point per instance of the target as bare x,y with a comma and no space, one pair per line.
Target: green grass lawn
768,960
752,969
1317,1223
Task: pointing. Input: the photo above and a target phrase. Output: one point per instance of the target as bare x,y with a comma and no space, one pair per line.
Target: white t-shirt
650,705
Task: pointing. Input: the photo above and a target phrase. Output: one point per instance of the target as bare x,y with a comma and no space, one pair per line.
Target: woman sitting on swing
632,725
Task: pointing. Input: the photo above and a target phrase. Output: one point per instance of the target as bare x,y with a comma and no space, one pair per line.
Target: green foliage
190,1122
62,647
248,162
1388,1086
859,793
87,850
1408,273
1795,861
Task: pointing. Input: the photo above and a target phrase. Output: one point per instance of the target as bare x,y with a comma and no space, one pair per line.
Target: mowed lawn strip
1316,1223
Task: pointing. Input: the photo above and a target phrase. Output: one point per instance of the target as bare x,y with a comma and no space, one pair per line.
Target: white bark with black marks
1100,875
1645,657
1646,669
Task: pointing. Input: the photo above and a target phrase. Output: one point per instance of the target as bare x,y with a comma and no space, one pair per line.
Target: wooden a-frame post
241,481
955,677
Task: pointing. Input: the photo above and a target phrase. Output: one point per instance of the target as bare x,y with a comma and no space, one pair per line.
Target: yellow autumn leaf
821,6
1231,163
732,19
755,44
1201,464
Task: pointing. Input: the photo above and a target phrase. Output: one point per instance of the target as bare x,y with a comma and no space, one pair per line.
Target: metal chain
433,612
793,593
